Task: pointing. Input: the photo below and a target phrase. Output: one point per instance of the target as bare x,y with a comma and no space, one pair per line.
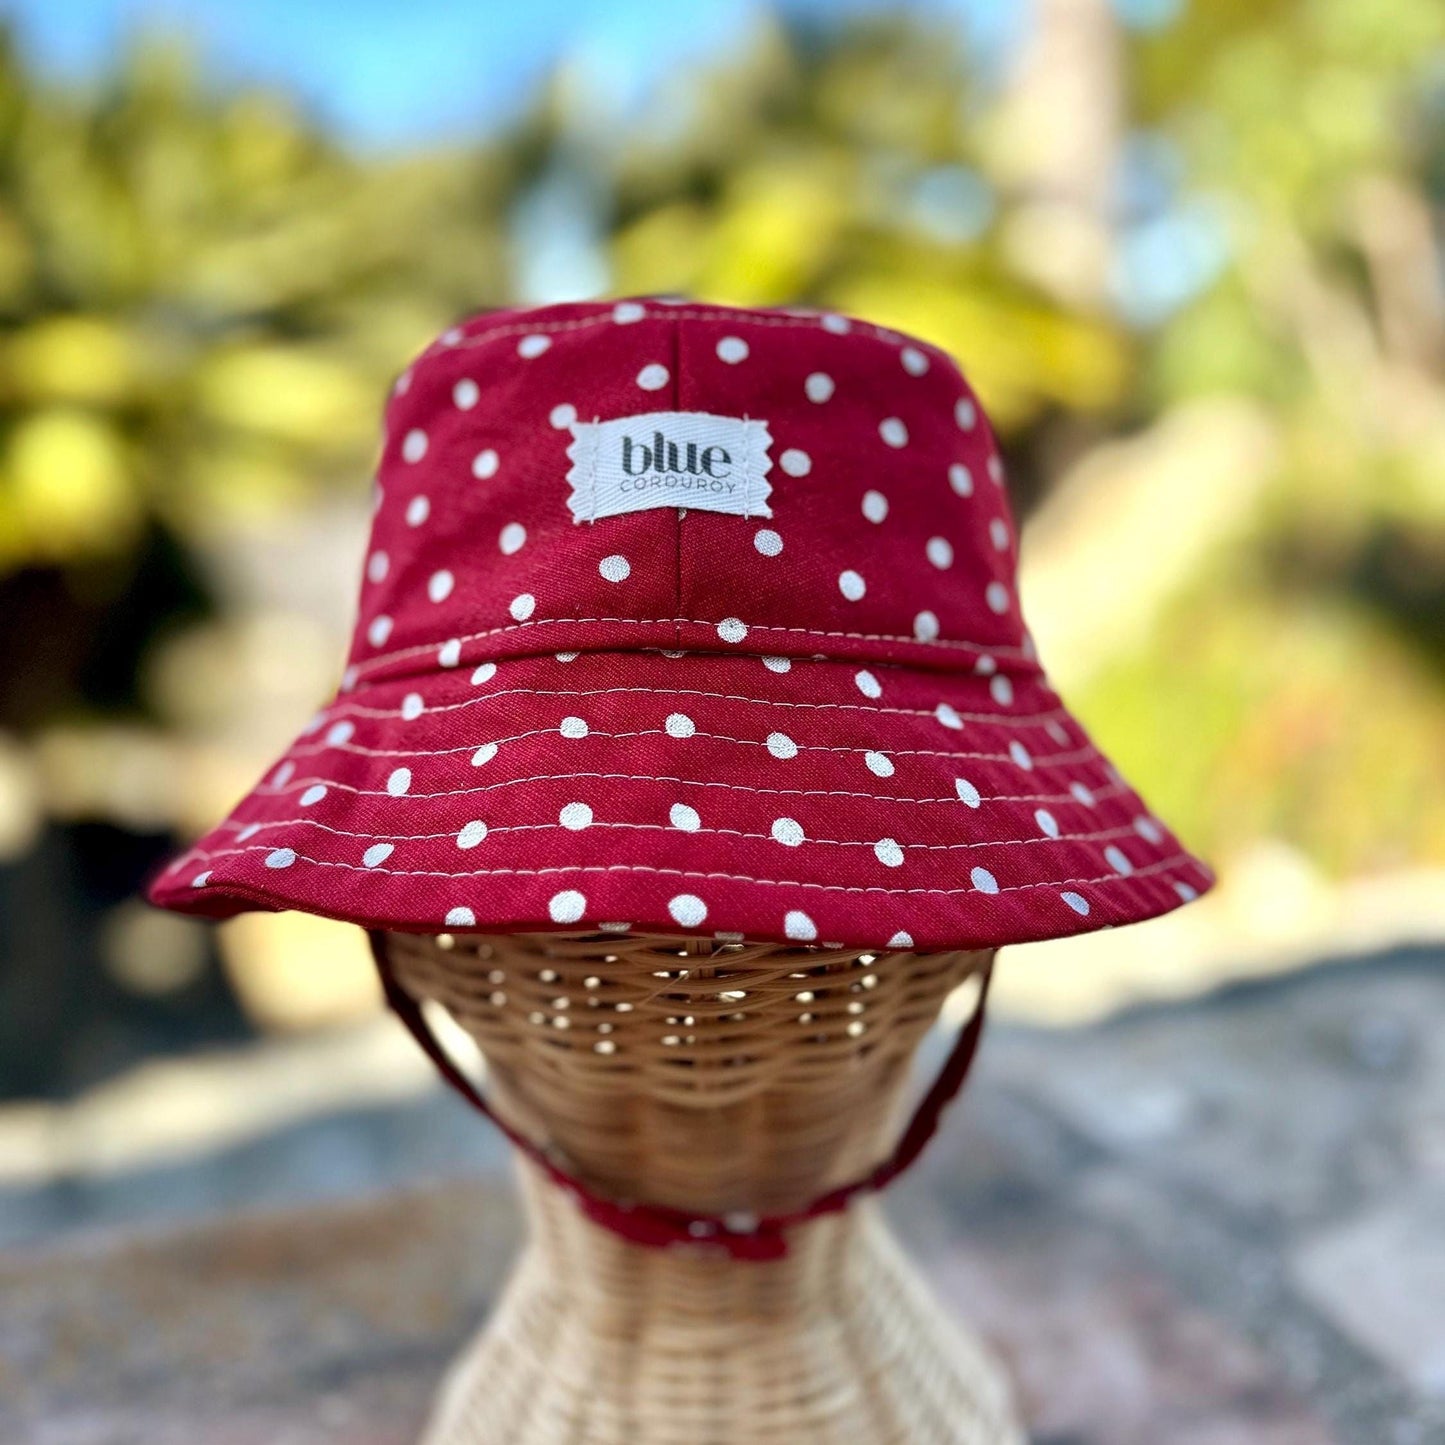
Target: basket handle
658,1226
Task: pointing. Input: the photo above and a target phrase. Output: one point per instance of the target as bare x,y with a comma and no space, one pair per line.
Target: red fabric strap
751,1237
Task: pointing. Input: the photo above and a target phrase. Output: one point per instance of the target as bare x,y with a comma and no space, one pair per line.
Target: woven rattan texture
703,1075
598,1342
711,1077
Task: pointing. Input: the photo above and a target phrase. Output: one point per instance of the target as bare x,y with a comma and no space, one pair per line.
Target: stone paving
1214,1223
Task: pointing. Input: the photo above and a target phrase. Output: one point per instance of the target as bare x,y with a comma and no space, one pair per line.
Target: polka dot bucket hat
685,617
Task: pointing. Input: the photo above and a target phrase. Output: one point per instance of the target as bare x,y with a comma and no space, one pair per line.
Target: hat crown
646,473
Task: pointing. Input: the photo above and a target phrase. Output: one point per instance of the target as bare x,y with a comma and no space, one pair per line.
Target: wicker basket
736,1080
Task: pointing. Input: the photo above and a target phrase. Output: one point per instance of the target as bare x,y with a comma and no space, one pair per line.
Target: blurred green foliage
203,297
1293,689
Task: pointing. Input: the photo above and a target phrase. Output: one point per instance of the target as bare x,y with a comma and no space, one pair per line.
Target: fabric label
689,459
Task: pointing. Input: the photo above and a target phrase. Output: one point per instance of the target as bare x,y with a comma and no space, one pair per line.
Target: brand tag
689,459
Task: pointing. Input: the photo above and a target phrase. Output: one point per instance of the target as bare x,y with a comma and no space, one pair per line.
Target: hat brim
803,800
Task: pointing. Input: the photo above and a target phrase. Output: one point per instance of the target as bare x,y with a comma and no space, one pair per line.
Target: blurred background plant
1193,257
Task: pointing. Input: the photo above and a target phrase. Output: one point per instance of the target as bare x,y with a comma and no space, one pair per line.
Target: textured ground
1217,1223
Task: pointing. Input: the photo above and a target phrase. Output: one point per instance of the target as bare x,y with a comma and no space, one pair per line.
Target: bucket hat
680,617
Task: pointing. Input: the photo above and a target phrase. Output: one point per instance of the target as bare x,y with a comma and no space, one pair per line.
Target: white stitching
1042,760
1147,870
301,783
991,649
1110,833
1038,719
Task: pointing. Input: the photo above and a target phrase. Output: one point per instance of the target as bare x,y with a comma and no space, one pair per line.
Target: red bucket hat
690,617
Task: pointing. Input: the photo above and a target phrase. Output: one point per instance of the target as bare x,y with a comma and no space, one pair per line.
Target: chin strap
741,1234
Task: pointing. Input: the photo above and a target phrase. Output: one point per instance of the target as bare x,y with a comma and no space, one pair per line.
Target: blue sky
392,73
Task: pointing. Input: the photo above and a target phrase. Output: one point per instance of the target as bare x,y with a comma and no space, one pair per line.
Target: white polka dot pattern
684,817
780,745
799,927
567,906
575,816
687,909
822,720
